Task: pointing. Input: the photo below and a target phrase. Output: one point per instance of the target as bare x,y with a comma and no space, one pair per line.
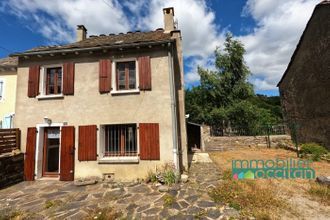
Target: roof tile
111,39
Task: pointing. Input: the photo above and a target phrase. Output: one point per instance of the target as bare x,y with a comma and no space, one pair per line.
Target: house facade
305,85
8,77
108,106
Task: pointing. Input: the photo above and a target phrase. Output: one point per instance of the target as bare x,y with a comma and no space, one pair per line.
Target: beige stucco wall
7,103
88,106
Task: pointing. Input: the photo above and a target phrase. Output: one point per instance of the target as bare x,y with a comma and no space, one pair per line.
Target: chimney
168,19
81,33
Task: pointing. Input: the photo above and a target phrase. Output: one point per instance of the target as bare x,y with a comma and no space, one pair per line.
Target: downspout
174,112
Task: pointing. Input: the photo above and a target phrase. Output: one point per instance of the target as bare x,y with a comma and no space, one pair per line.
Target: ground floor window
120,140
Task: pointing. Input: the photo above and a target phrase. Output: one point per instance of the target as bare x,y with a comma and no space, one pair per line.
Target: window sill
60,96
131,91
110,160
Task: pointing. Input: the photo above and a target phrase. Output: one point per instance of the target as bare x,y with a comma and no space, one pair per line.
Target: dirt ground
303,205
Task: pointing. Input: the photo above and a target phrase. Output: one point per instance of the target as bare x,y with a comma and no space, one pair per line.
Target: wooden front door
51,152
67,153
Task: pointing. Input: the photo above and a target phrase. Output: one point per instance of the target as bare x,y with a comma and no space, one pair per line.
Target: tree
224,95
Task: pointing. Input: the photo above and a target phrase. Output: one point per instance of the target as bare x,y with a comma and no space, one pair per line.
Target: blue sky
269,29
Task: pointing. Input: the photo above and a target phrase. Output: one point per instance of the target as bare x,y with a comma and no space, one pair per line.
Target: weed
9,213
227,175
165,175
168,200
200,214
52,203
321,192
169,177
152,177
235,205
105,214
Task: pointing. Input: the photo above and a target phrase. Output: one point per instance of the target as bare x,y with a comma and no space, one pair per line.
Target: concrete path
64,200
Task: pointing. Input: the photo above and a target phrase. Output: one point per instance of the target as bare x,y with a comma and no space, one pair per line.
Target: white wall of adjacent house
7,98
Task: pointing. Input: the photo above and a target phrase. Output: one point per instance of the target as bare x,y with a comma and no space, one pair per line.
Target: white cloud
271,44
191,76
196,21
57,20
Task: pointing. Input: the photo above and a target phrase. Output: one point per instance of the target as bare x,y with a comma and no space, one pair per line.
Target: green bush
314,150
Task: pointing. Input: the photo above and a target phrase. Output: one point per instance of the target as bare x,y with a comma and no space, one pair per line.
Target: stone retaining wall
231,142
11,169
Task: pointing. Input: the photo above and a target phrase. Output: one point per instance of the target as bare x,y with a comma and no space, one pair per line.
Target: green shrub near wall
313,150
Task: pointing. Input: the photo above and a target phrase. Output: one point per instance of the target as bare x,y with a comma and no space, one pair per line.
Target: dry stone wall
233,142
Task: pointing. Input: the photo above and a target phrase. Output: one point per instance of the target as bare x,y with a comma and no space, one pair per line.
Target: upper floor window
1,89
53,81
125,75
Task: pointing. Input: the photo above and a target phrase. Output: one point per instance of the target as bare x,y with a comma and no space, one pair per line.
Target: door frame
40,146
44,160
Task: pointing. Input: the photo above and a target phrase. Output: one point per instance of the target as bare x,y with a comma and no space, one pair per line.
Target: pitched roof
8,62
111,40
325,3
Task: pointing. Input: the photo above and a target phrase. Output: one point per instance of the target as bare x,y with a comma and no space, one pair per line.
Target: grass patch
52,203
105,214
250,197
164,175
9,213
320,192
200,214
168,200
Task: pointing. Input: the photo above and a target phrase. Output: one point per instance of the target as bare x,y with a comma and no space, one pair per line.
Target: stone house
305,85
8,77
108,106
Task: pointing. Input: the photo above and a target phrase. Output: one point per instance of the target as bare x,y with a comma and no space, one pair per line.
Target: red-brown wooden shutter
68,79
104,76
144,73
149,141
29,159
33,83
67,153
87,143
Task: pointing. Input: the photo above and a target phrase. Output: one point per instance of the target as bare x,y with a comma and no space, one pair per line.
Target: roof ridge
128,32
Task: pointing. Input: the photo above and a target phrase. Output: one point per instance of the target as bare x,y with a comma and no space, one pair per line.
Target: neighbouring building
110,106
8,77
305,85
